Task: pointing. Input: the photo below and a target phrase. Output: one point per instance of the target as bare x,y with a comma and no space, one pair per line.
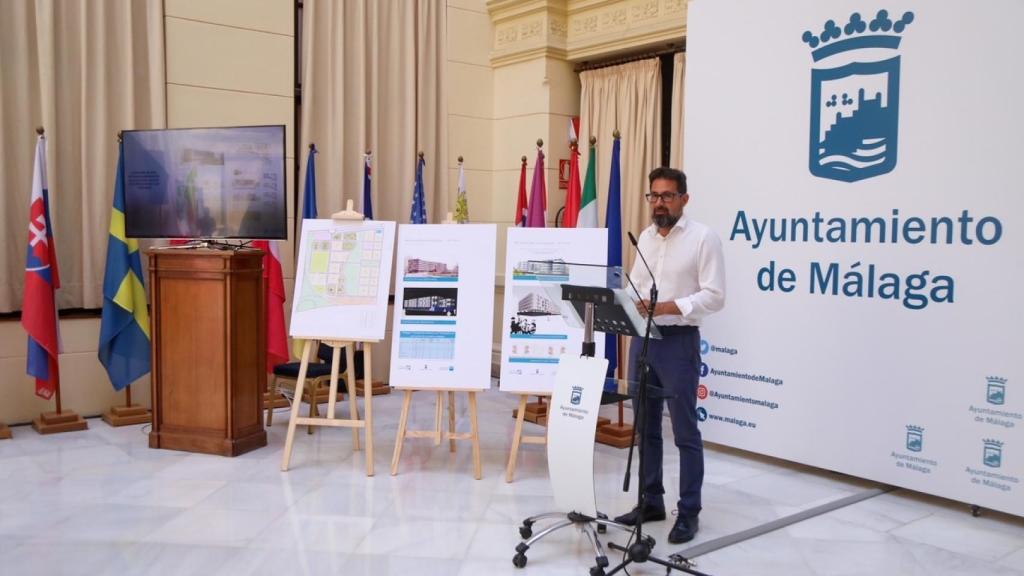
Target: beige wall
229,62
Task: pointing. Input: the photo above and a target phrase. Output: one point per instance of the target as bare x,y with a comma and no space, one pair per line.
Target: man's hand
661,309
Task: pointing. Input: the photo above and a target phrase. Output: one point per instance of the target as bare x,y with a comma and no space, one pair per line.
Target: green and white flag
588,205
461,202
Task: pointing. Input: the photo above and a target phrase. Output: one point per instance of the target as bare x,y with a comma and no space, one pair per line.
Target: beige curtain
83,70
678,86
627,98
374,79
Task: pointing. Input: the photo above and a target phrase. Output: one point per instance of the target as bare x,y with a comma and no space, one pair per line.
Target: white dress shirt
689,268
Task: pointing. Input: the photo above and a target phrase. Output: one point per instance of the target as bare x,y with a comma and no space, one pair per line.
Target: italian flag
588,205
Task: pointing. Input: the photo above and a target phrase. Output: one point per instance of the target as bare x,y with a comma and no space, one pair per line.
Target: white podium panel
572,420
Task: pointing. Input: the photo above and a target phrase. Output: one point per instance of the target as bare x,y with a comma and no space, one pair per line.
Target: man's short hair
666,173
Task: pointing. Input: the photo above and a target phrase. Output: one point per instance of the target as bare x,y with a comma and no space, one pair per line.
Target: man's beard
664,220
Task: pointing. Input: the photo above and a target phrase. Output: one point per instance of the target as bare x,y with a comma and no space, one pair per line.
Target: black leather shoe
652,513
683,530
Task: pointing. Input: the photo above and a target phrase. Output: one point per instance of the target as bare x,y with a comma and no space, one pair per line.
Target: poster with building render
444,306
537,327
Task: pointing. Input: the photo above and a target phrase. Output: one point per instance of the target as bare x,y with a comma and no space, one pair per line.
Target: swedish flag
124,330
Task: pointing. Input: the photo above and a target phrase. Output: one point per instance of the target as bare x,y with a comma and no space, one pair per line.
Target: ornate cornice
581,29
527,29
600,28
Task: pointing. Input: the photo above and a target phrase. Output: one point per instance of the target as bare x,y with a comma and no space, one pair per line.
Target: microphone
654,285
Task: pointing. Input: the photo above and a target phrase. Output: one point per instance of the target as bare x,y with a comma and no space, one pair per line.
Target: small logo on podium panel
577,395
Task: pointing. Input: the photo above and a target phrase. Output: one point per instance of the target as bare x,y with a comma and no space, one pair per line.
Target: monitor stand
208,243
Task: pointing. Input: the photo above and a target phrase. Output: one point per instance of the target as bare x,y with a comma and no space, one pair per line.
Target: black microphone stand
641,549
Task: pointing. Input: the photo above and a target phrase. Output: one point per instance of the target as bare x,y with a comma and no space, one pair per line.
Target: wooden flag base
536,412
617,435
54,422
378,388
127,415
5,432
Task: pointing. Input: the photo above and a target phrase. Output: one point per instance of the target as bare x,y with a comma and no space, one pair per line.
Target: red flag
538,214
39,307
522,211
572,197
277,334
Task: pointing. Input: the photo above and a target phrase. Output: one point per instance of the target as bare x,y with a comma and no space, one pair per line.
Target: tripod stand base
641,552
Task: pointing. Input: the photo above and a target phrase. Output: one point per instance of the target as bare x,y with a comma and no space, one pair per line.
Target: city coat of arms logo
915,438
993,455
855,97
995,392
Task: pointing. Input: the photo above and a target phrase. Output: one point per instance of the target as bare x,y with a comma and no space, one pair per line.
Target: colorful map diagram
342,268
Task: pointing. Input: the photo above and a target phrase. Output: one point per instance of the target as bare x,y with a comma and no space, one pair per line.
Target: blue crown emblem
577,395
996,390
993,456
855,104
915,438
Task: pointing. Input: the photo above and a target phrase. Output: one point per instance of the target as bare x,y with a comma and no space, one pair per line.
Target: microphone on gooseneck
654,285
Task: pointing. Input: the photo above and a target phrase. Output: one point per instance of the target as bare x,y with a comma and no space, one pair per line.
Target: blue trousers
675,368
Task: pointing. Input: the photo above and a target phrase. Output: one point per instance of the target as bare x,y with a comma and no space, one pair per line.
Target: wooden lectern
209,350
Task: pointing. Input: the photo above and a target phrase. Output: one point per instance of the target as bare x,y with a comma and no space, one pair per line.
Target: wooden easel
437,433
331,419
517,435
5,432
129,413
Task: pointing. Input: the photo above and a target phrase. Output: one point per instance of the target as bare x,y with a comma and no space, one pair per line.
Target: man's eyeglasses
654,197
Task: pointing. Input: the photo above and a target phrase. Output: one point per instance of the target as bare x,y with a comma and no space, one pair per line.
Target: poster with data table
444,306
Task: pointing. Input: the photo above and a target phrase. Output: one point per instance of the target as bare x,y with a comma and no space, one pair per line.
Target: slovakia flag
39,308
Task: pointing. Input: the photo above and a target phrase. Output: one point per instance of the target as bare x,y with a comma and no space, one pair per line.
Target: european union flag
124,330
418,214
613,219
309,194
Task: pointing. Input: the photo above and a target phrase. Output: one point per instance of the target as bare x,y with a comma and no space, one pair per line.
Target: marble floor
102,502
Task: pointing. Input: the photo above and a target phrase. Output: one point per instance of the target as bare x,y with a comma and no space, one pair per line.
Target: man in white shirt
688,266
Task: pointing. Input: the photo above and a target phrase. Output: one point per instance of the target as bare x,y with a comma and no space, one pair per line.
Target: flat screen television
210,183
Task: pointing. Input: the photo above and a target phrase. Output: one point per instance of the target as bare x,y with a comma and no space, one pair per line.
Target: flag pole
40,131
52,422
126,415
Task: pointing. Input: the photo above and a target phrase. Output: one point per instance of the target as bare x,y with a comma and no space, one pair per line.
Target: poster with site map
342,280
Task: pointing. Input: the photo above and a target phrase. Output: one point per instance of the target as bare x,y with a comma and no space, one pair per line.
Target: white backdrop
907,368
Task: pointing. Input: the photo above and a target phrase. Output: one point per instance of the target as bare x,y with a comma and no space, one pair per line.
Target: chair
318,378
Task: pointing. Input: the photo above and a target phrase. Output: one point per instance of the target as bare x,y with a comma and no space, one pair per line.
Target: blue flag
367,185
418,214
309,195
613,221
124,328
